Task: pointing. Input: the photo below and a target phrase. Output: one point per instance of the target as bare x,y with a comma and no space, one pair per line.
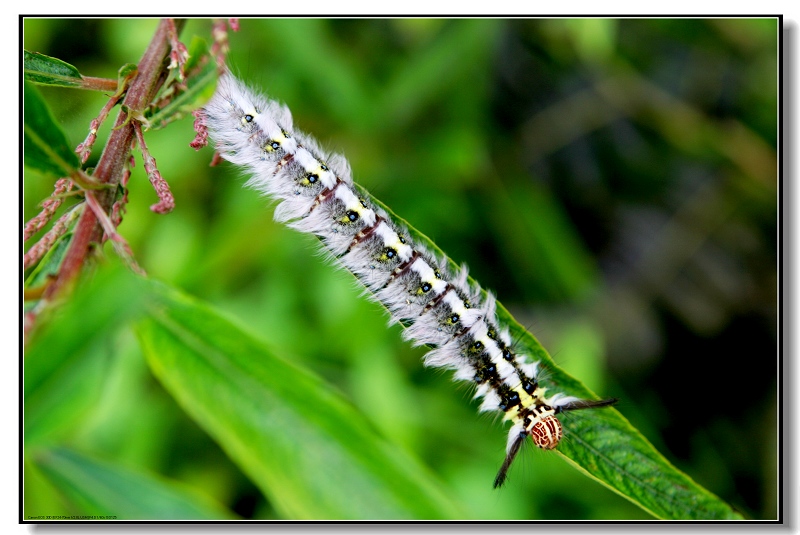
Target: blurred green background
613,181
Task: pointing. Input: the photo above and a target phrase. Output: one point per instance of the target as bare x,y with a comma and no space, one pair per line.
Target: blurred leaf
46,70
198,53
421,80
69,393
314,59
306,448
549,248
594,38
45,144
66,357
39,494
101,488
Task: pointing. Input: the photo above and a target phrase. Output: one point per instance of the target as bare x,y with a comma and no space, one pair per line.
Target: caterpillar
439,306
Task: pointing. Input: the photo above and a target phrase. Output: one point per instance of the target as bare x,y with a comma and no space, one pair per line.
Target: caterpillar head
240,121
544,428
546,433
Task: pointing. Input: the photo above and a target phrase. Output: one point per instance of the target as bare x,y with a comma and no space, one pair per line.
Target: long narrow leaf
103,490
299,440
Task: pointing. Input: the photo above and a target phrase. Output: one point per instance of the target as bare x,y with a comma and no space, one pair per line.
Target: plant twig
98,84
49,207
166,201
119,243
35,253
85,148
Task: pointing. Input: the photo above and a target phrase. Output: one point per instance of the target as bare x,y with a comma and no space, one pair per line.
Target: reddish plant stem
142,89
98,84
85,148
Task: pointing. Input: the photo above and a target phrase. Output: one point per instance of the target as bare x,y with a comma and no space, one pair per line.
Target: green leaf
125,74
308,449
68,353
46,70
65,397
101,488
602,443
39,495
45,144
198,54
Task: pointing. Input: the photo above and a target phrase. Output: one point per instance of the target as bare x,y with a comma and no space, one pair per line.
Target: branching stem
152,74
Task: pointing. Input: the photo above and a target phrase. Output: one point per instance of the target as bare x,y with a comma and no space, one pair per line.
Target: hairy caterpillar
438,305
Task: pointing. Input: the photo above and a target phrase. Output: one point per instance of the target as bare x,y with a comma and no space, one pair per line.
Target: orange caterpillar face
547,432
